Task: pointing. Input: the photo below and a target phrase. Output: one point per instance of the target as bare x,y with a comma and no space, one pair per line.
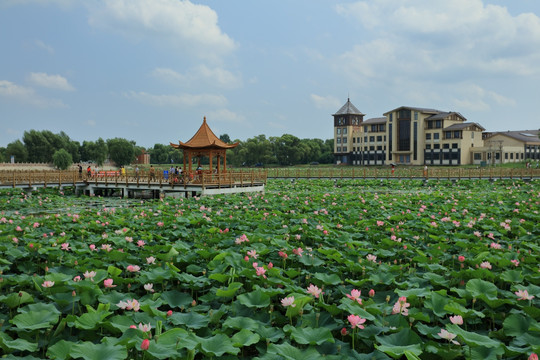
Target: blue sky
149,70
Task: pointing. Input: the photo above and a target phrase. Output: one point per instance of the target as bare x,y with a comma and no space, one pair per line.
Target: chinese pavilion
204,144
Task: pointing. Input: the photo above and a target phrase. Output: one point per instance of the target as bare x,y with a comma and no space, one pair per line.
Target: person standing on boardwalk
137,172
80,171
152,172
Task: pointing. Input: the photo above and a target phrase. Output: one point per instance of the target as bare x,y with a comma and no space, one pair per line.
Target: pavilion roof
204,138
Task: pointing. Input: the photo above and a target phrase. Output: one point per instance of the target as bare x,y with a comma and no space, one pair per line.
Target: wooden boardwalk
109,182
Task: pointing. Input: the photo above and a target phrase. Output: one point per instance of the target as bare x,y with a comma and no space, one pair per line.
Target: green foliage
121,151
200,292
62,159
16,149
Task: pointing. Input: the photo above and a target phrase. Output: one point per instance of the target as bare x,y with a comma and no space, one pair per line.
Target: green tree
94,151
225,138
121,151
62,159
3,155
17,149
286,149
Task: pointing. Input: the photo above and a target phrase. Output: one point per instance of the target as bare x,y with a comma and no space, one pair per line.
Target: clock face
341,121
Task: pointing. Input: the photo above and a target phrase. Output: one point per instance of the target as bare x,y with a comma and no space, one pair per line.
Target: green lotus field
313,269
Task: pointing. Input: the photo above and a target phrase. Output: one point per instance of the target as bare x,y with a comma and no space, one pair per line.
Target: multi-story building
508,146
409,135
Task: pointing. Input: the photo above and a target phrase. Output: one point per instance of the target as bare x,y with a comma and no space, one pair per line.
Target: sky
150,70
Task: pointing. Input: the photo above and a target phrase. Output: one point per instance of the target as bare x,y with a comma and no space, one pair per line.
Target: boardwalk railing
115,178
405,173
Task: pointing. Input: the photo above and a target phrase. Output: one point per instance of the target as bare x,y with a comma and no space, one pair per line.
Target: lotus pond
311,269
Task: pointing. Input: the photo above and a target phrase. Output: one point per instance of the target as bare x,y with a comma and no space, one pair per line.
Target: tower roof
204,138
348,108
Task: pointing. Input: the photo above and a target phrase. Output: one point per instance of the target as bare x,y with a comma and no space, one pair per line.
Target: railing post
202,180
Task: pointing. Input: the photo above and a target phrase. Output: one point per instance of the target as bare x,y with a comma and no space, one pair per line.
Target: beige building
508,147
418,136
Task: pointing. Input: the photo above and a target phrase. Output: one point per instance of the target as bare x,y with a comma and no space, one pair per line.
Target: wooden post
252,178
202,180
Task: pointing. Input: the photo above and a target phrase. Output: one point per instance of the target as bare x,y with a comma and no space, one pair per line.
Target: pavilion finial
204,119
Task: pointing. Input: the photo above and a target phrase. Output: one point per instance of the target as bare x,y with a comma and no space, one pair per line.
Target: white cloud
56,82
425,37
475,98
91,123
27,95
325,102
212,76
44,46
180,100
193,28
225,115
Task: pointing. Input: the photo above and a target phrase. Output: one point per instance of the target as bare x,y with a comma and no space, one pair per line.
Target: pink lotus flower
130,304
461,258
458,320
169,313
448,336
371,293
400,307
314,290
132,326
145,327
288,301
108,283
371,257
380,223
90,275
298,251
150,260
145,344
92,247
77,278
141,243
47,284
355,296
515,262
149,287
524,295
343,331
485,265
356,321
133,268
283,254
533,356
253,254
261,271
65,246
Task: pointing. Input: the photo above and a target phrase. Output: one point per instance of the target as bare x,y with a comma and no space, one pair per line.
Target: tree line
47,147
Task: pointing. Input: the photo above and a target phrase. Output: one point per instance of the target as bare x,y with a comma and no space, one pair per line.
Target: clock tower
347,120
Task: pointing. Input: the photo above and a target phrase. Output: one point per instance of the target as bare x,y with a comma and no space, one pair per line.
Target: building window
435,136
404,134
438,124
446,146
339,149
344,130
366,129
372,138
338,140
436,146
391,117
345,149
477,156
379,138
379,147
416,115
428,146
447,134
472,134
511,156
404,114
372,148
454,145
457,134
354,140
385,138
345,140
428,136
415,140
505,156
373,128
365,139
382,128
